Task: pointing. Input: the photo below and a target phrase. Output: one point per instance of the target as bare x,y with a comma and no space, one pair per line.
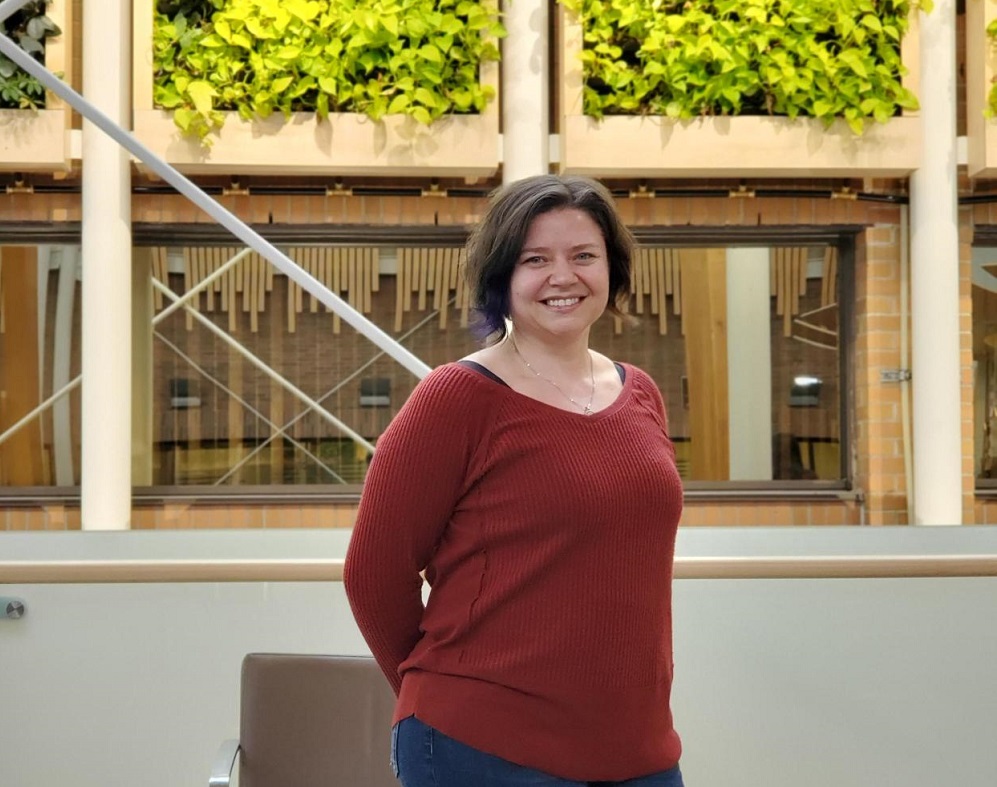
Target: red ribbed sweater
547,538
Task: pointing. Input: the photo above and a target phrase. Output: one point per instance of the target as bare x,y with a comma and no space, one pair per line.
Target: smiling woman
560,285
513,670
552,261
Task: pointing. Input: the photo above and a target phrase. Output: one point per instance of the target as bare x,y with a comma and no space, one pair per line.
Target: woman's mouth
561,303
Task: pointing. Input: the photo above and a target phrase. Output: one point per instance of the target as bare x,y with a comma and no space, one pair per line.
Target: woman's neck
568,358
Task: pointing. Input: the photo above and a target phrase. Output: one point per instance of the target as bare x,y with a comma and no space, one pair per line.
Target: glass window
320,394
253,383
744,343
39,365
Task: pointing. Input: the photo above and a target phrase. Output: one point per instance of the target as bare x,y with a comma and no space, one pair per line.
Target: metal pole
11,7
203,201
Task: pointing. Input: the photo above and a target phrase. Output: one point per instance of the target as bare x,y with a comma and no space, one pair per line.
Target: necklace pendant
588,410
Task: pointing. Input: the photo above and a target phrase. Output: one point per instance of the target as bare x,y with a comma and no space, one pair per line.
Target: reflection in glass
256,384
984,278
39,366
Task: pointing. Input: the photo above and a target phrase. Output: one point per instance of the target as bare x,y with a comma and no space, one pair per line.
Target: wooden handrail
173,571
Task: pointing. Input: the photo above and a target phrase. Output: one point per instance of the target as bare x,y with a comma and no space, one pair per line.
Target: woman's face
560,285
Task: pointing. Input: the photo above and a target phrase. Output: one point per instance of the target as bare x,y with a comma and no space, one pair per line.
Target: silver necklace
586,408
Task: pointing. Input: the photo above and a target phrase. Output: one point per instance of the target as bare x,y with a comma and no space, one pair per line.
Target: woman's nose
562,271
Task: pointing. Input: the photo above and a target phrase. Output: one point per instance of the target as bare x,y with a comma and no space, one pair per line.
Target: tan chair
310,721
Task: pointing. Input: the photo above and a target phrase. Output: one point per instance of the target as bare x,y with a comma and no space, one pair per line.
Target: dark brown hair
496,243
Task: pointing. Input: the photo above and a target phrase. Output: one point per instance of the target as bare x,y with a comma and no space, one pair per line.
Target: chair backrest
314,721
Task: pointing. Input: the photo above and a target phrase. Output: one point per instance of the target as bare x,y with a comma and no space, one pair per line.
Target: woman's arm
415,479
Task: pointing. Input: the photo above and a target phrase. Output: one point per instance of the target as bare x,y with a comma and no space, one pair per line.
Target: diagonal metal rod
273,426
225,218
41,408
287,384
199,287
10,7
367,364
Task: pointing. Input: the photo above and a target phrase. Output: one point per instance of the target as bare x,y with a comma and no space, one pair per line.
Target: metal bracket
11,608
895,375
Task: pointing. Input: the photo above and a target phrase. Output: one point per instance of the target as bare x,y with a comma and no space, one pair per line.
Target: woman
534,484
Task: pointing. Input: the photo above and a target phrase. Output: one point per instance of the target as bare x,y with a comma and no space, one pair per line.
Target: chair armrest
221,771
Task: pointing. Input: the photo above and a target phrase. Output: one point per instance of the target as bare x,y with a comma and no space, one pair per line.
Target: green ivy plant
689,58
373,57
29,26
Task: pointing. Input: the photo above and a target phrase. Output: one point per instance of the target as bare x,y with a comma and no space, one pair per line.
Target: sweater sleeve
649,389
418,473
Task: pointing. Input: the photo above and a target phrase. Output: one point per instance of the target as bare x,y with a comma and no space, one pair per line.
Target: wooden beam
704,309
21,462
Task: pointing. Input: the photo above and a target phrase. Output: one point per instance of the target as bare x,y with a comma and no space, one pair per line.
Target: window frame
984,236
842,236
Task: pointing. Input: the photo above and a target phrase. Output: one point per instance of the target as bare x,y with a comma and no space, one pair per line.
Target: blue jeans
424,757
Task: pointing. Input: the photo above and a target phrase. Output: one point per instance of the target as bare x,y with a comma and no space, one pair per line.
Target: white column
934,230
749,364
107,278
525,90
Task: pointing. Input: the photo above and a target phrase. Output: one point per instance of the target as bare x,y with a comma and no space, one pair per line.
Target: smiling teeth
559,302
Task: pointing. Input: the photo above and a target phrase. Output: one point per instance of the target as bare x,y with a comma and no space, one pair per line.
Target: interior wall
779,683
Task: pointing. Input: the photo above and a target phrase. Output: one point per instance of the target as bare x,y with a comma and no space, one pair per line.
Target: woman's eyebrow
576,247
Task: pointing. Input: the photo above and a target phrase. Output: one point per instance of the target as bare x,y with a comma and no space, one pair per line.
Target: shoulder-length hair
495,245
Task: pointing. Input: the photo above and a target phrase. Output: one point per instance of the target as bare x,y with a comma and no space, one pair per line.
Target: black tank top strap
492,376
484,371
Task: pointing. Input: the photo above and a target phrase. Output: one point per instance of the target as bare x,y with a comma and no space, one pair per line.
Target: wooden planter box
746,146
344,144
981,59
39,141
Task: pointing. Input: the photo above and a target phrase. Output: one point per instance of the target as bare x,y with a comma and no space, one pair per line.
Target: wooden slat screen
436,272
350,272
788,282
251,277
656,276
160,272
829,278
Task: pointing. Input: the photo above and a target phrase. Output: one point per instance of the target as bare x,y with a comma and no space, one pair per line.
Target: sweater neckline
506,390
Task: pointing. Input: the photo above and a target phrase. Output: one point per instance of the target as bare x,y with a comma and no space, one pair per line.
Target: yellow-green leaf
431,53
201,93
288,53
398,104
281,84
425,97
